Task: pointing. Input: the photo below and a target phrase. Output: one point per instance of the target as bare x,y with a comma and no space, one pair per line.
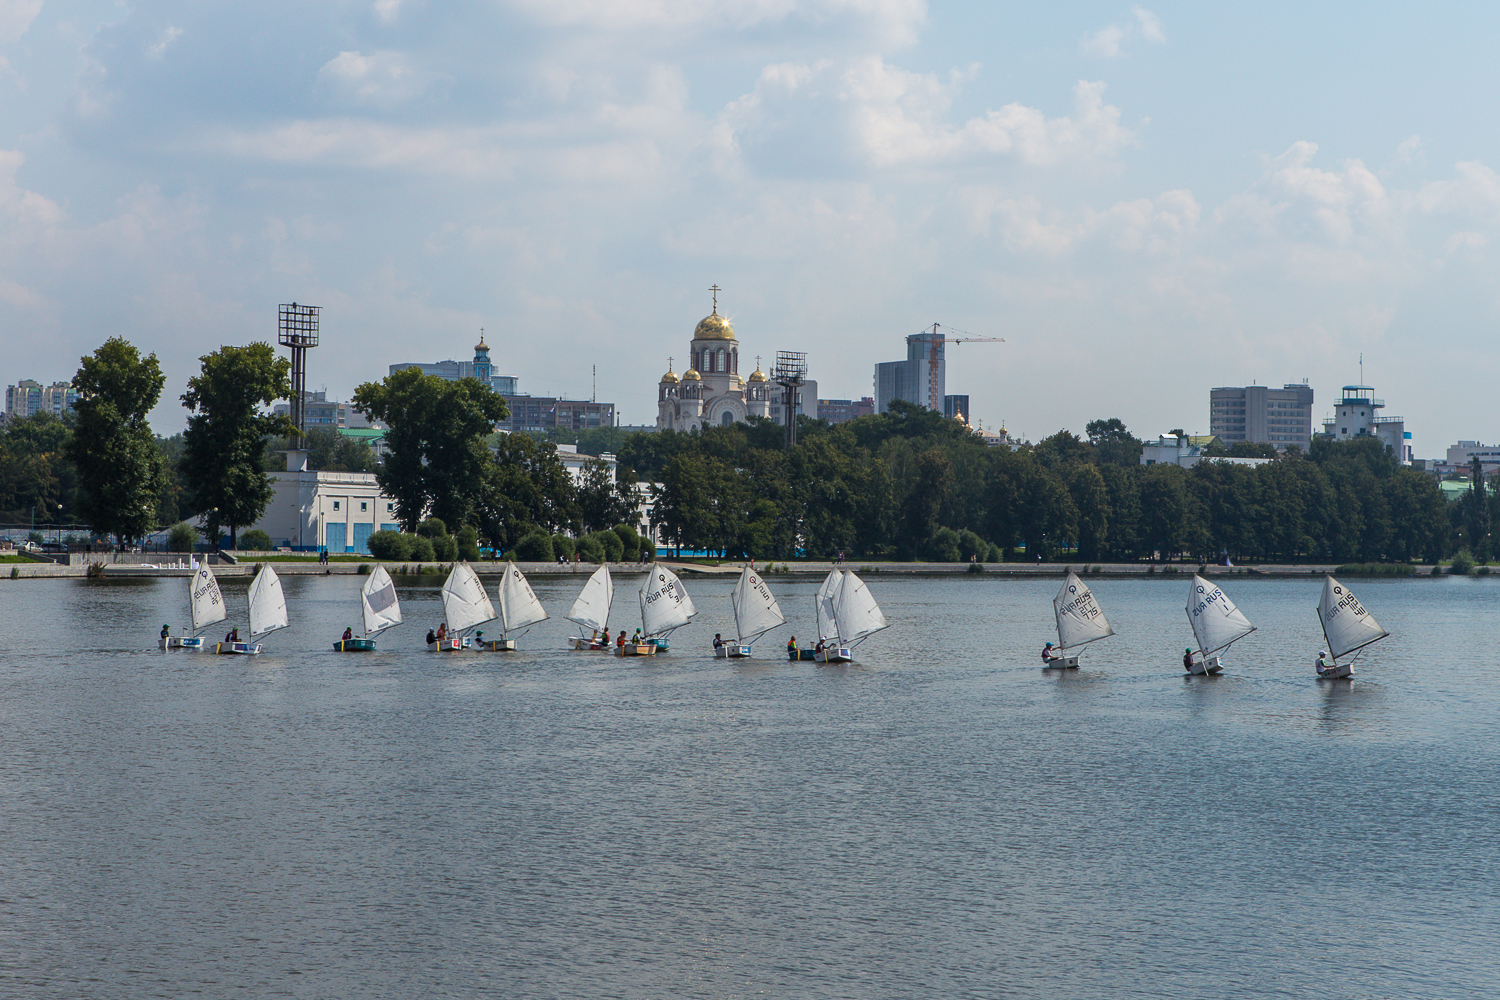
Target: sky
1144,201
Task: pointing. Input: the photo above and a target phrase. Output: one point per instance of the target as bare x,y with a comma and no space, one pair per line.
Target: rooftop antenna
1361,367
594,386
297,329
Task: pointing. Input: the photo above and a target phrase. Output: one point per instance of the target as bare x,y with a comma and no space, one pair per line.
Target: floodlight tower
298,330
790,372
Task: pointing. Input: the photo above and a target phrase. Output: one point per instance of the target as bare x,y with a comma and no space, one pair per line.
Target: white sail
1216,621
378,599
591,609
465,604
827,624
1346,623
755,608
267,603
518,604
1079,619
855,610
665,604
207,603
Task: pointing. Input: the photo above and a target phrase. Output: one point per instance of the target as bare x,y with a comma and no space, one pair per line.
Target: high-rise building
1259,413
480,368
29,396
837,411
913,379
956,407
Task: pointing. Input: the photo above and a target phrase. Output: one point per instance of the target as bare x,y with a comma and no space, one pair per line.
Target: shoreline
1175,571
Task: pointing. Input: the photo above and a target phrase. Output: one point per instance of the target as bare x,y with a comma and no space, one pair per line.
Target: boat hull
497,645
731,651
799,654
1061,663
660,642
354,646
636,649
238,648
450,644
1200,668
835,654
195,642
1335,672
588,645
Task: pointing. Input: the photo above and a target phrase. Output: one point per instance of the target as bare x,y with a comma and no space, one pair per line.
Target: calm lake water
941,819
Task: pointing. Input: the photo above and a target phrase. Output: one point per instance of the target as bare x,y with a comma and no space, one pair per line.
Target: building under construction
923,377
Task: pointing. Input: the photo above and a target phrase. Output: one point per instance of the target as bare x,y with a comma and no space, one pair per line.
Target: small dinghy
665,608
1217,624
465,606
267,612
755,613
519,610
380,608
847,614
205,606
1079,621
1347,626
591,610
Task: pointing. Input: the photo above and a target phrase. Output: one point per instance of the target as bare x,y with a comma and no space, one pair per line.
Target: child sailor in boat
165,631
791,644
234,635
1047,655
1187,659
348,633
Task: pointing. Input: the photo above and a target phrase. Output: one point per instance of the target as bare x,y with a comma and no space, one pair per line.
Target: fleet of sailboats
1216,624
465,606
755,613
590,611
380,609
1347,626
267,612
1079,621
846,612
205,608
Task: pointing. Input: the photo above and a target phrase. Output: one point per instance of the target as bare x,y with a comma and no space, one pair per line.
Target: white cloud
380,78
164,41
16,17
1109,42
386,11
894,21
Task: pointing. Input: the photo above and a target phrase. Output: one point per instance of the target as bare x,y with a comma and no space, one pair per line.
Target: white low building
336,510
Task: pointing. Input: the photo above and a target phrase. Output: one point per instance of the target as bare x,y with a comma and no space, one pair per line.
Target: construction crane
935,342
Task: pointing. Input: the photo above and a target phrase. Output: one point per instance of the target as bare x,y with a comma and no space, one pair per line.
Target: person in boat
636,639
791,644
1187,659
348,633
164,630
820,646
234,635
431,637
718,640
620,639
1047,655
442,632
1323,664
605,640
479,638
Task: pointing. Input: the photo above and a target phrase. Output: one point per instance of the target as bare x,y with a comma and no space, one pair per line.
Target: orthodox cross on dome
716,290
670,360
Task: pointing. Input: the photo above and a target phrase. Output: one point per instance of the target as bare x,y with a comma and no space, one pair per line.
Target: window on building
364,505
335,505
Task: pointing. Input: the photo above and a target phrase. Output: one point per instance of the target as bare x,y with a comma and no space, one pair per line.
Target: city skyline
1146,202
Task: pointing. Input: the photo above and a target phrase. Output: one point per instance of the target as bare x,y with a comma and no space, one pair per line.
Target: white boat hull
449,644
731,651
1061,663
182,642
579,642
238,648
498,645
1200,667
835,654
1334,672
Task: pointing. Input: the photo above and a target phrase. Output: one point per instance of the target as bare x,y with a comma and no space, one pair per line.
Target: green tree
121,474
1091,498
601,501
227,427
1113,444
437,459
527,487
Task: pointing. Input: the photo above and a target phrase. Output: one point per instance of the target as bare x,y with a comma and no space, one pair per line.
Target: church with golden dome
711,391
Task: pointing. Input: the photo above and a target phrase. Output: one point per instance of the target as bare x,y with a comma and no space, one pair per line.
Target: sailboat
755,613
1079,621
206,606
380,608
465,606
855,616
519,609
665,607
1216,623
591,609
1346,625
267,611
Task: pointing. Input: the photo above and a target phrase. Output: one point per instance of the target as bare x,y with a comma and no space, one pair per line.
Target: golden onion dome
481,346
670,376
713,327
691,375
757,376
